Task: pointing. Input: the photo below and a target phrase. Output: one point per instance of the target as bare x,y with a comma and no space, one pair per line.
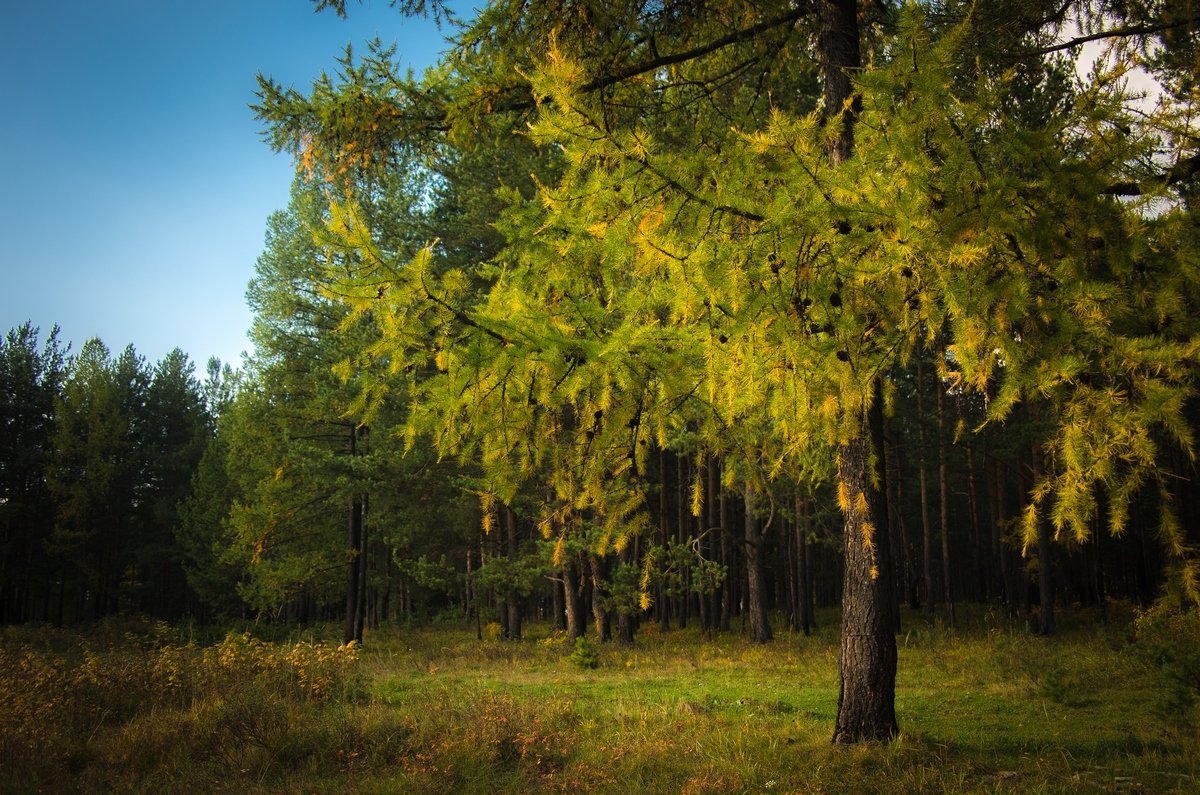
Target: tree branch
1116,33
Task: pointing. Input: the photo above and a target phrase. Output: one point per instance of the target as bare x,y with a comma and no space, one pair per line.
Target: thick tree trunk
867,661
760,624
571,602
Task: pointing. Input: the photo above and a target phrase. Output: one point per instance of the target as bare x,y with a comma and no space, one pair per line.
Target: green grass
985,708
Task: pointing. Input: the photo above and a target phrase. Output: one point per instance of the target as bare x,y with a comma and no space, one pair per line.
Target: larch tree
720,254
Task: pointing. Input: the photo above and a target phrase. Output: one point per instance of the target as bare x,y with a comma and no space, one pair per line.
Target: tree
31,379
717,253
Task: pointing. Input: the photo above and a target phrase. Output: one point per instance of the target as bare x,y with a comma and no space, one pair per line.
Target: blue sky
136,186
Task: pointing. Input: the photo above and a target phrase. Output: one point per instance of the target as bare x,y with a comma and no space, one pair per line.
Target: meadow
137,706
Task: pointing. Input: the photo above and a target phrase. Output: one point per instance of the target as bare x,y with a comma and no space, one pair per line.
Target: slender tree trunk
912,591
353,569
804,604
600,613
1045,546
728,562
760,624
981,576
364,559
943,502
926,523
999,553
512,600
626,621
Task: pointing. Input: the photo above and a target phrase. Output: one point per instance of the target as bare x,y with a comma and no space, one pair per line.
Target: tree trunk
943,502
353,570
999,553
574,609
803,584
1046,625
363,561
512,600
727,561
867,660
760,624
926,523
600,613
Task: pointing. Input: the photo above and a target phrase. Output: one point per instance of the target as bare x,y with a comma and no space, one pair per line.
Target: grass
984,708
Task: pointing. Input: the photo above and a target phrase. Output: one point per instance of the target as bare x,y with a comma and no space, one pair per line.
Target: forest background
669,315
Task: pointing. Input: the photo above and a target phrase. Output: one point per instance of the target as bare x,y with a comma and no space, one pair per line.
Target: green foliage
1170,637
585,654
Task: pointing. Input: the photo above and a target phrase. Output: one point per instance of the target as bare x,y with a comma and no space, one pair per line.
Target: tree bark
728,562
574,610
512,600
600,613
350,631
867,660
943,502
1046,624
926,522
760,624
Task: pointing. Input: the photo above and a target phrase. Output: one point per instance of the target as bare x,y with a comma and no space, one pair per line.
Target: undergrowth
142,707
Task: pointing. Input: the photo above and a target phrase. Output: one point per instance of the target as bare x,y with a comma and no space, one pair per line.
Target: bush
585,655
1170,637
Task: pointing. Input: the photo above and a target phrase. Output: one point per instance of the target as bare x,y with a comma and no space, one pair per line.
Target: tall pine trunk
926,523
512,600
943,502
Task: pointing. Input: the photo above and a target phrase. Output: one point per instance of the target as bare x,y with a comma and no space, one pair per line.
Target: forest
795,339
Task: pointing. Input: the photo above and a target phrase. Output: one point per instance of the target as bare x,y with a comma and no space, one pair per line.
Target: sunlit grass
986,708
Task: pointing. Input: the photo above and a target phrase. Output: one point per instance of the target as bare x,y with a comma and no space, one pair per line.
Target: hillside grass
983,708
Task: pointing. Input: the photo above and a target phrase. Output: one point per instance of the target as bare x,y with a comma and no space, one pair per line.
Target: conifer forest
757,372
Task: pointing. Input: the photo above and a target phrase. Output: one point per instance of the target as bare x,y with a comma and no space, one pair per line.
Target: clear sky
135,183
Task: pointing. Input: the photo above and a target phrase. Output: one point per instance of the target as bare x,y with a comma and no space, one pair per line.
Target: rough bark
760,624
867,660
571,601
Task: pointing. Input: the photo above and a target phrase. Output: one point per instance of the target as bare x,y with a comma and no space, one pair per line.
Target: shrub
585,655
1170,637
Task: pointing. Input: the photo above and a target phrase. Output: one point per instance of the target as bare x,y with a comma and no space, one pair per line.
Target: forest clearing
134,707
653,396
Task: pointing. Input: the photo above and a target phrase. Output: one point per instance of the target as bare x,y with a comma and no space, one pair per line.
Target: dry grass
983,709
